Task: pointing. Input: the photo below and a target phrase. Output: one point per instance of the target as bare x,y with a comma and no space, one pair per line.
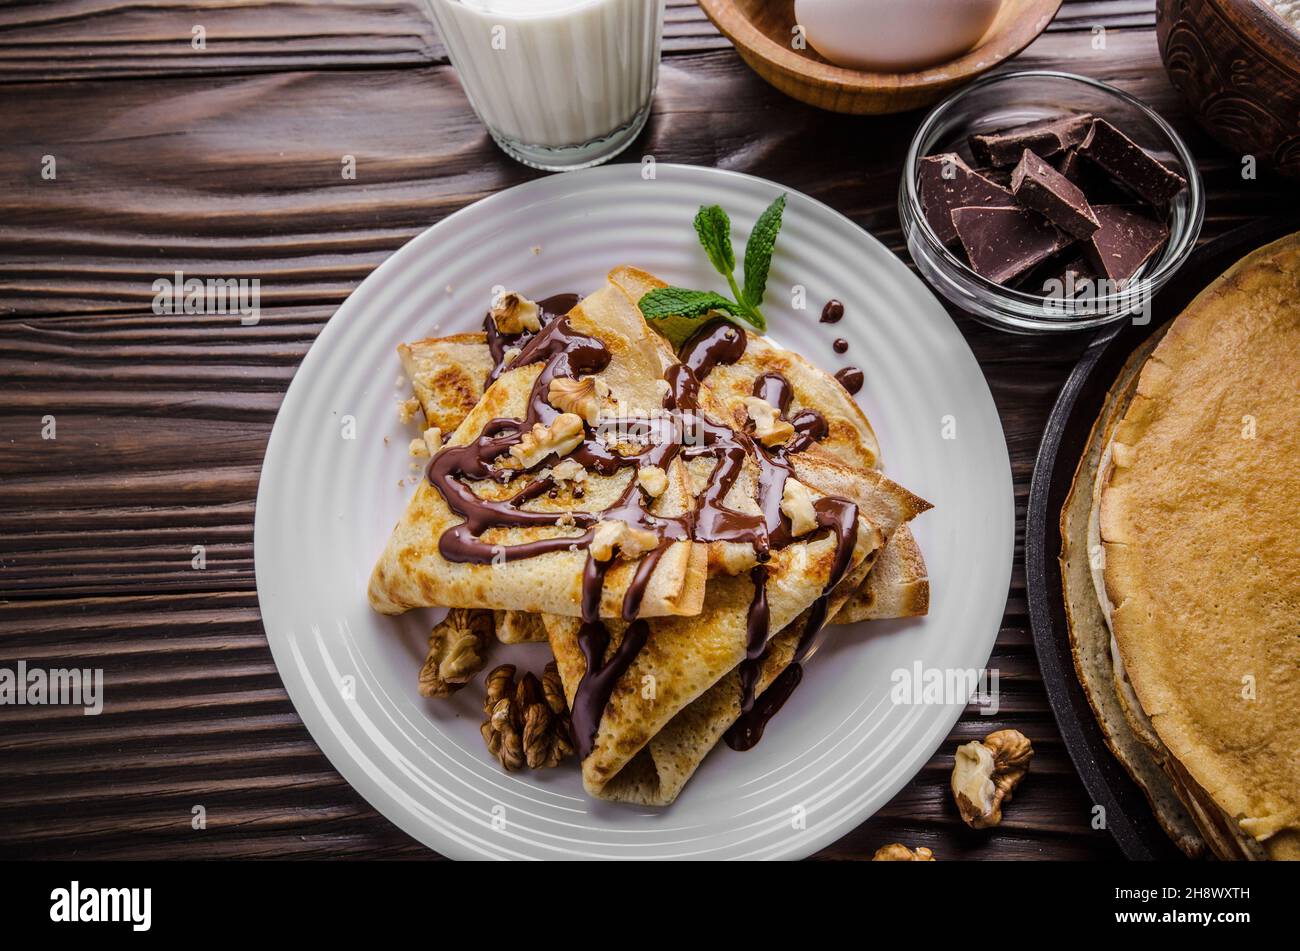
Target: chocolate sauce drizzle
682,429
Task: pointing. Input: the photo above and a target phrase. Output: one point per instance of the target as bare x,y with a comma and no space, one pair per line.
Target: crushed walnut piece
569,470
515,313
984,775
433,440
582,397
527,722
457,648
769,428
797,506
895,852
653,479
561,438
630,541
407,408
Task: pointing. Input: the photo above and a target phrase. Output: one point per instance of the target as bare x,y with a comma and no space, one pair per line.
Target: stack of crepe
1181,565
694,612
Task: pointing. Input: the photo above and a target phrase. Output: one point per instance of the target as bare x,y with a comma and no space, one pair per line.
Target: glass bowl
996,103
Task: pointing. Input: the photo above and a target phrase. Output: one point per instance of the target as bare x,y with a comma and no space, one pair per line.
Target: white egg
894,36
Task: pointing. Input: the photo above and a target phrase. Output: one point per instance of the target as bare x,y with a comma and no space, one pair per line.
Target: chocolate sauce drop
833,312
850,378
840,345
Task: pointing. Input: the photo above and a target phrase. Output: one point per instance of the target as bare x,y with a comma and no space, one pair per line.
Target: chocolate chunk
1125,242
998,176
1129,164
946,183
1100,188
1044,139
1003,243
1062,277
1041,188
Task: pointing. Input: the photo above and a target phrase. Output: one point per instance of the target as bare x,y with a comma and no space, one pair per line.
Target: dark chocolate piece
1100,188
1129,164
946,182
1062,277
1003,243
1044,139
1125,242
1041,188
998,176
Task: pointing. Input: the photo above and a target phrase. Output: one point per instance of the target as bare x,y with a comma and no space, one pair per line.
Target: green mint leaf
674,312
714,228
758,254
679,302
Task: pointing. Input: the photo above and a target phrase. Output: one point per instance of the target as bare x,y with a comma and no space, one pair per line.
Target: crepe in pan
413,571
1090,639
1198,523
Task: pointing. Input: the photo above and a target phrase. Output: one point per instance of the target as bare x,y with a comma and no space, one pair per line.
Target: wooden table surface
225,162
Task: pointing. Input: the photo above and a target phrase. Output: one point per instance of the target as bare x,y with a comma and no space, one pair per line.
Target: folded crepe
681,689
898,586
683,660
1199,448
531,555
648,748
449,377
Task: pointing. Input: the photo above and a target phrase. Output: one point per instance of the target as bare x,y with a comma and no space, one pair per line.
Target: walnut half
984,775
457,645
561,438
580,397
901,853
527,722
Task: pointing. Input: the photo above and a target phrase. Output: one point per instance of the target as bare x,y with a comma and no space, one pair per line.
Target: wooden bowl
761,31
1237,64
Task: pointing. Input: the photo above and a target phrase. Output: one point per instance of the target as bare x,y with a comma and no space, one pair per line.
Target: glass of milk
560,84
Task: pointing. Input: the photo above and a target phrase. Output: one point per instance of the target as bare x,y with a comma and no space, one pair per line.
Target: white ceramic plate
840,749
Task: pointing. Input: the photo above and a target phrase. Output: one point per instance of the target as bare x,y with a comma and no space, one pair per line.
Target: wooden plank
241,177
62,40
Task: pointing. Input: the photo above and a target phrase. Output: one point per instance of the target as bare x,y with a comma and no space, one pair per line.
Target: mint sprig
714,230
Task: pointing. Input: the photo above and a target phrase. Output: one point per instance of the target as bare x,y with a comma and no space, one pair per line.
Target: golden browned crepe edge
897,586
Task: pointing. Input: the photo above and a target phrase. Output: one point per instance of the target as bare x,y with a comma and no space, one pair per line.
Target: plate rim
315,720
1129,816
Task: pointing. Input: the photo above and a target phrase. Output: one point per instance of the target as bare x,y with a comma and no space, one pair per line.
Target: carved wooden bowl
1237,63
761,31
